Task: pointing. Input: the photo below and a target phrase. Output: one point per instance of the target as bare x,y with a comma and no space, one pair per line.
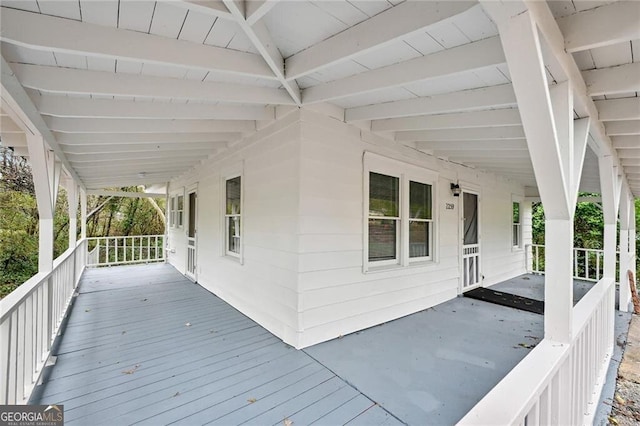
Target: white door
470,230
192,206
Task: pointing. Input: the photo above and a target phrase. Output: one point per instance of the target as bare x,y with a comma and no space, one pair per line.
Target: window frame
406,173
180,211
516,200
172,211
228,217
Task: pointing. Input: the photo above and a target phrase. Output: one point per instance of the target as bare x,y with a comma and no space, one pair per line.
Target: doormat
506,299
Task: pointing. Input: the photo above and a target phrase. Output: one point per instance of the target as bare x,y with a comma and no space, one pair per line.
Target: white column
526,218
44,177
556,145
72,196
610,187
626,201
83,214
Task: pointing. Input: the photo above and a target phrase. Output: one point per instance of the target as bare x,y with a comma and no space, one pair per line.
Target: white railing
111,251
30,318
557,383
588,264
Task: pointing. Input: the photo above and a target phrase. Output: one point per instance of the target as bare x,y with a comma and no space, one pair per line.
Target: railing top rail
124,236
583,310
16,297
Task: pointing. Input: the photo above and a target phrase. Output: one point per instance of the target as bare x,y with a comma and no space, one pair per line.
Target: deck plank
145,345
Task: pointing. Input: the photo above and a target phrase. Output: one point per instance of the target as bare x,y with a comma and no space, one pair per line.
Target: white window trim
520,200
406,172
172,211
180,217
232,172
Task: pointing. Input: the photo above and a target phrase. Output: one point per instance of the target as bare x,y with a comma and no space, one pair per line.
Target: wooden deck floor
145,345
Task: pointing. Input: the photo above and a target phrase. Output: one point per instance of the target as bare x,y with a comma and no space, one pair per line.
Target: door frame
193,189
469,189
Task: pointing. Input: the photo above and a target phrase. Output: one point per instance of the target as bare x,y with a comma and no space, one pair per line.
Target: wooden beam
471,134
159,147
393,24
623,128
465,58
116,125
618,109
477,154
488,118
49,33
602,26
613,80
143,138
629,141
145,155
629,152
460,145
16,102
72,81
62,106
126,194
97,169
257,9
208,7
259,36
467,100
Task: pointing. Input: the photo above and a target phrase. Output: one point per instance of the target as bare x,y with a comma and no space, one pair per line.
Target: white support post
44,175
83,214
526,216
610,186
626,202
632,238
557,158
72,197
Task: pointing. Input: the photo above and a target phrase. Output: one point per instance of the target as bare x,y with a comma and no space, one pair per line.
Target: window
400,217
516,229
172,211
180,211
233,215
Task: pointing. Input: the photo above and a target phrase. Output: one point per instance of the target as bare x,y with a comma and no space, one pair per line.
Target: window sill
516,249
234,259
390,268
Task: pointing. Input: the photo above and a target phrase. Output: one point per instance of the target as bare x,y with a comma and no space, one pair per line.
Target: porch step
506,299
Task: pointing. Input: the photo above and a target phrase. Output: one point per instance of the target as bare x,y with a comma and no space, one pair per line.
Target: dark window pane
470,210
233,196
192,215
516,235
233,232
418,239
382,239
180,202
419,200
383,195
516,212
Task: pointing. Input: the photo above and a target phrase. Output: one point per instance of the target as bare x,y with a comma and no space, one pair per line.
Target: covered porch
145,344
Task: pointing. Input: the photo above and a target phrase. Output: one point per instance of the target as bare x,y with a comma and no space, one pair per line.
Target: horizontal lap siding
264,287
336,296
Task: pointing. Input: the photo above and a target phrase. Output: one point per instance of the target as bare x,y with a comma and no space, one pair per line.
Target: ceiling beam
208,7
602,26
629,153
160,147
622,128
97,170
63,106
49,33
116,125
168,156
381,30
493,145
16,102
466,100
609,81
65,80
257,9
143,138
465,58
618,109
632,141
471,134
488,118
477,154
259,36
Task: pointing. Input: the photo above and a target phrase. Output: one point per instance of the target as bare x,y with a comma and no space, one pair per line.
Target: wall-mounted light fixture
455,189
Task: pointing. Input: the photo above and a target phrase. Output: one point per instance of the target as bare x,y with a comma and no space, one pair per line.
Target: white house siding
336,296
264,286
302,274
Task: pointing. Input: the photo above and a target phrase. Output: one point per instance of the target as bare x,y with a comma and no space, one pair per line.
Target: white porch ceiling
157,86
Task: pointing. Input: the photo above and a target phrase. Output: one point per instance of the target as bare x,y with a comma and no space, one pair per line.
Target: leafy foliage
19,220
